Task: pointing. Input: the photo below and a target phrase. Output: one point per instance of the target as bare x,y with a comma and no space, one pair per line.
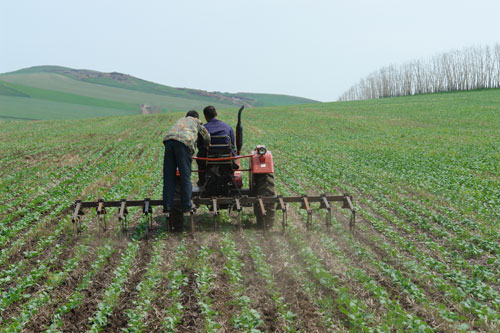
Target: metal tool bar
244,200
237,201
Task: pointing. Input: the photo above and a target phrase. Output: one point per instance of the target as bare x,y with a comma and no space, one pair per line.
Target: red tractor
222,188
222,178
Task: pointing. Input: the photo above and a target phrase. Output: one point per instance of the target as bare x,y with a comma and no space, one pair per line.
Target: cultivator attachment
215,205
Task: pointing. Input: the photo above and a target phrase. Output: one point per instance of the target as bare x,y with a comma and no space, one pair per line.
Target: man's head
192,113
209,112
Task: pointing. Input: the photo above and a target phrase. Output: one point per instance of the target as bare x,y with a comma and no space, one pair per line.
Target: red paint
262,163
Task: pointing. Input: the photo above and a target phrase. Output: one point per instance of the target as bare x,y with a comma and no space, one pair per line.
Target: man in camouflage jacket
180,143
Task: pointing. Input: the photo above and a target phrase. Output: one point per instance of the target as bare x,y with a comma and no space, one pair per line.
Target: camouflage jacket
186,130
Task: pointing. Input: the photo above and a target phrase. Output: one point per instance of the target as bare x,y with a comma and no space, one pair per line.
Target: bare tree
468,69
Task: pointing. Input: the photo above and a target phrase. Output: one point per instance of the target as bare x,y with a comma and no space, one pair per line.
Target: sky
315,49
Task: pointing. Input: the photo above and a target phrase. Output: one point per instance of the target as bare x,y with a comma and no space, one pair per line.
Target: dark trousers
177,155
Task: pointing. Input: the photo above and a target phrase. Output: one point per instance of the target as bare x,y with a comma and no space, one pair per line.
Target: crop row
76,298
402,224
112,293
481,311
204,285
247,318
264,269
44,243
177,279
146,288
44,297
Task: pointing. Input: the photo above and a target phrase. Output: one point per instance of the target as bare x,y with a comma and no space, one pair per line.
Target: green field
424,173
44,93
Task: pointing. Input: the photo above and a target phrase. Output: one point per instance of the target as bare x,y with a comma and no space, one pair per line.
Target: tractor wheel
264,186
177,220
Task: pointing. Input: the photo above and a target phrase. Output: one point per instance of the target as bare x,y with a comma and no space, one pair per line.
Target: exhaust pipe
239,132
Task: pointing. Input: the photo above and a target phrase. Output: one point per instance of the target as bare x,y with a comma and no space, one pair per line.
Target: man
179,147
216,128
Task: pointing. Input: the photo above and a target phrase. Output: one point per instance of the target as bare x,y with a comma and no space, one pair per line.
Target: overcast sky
315,49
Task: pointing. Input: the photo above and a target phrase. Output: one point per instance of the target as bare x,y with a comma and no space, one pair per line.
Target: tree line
467,69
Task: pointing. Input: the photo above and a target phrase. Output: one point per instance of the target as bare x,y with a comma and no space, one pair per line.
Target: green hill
54,92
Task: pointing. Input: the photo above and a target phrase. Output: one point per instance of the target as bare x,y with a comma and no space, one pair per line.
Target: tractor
221,187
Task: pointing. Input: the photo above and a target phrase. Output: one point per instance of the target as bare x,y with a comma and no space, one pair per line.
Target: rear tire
264,186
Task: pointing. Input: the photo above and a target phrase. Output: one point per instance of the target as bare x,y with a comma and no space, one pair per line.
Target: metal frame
236,203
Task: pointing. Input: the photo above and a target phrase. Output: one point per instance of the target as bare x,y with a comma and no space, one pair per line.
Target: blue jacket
217,128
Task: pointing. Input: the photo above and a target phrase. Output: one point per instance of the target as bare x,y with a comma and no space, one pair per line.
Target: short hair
209,112
192,113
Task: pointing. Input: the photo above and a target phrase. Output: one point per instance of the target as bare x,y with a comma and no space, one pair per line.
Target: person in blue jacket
215,127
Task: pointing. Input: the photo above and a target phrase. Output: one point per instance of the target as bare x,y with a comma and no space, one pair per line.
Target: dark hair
192,113
209,112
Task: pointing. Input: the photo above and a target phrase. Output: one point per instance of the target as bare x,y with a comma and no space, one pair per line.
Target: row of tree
468,69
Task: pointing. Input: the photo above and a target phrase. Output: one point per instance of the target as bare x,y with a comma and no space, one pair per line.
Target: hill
424,256
53,92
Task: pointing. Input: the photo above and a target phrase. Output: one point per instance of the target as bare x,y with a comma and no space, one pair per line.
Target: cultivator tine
168,220
216,212
348,204
305,205
282,205
262,210
352,222
101,214
326,205
191,220
148,211
261,205
238,209
78,216
122,214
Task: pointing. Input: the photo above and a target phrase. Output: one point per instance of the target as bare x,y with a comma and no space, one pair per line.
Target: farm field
424,172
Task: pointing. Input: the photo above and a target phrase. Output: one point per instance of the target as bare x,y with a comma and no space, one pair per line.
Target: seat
220,147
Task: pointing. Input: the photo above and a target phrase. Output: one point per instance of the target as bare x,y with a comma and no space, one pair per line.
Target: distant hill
54,92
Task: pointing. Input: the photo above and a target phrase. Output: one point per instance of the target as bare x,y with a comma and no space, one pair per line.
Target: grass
13,108
423,172
66,85
57,96
7,90
276,100
123,94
